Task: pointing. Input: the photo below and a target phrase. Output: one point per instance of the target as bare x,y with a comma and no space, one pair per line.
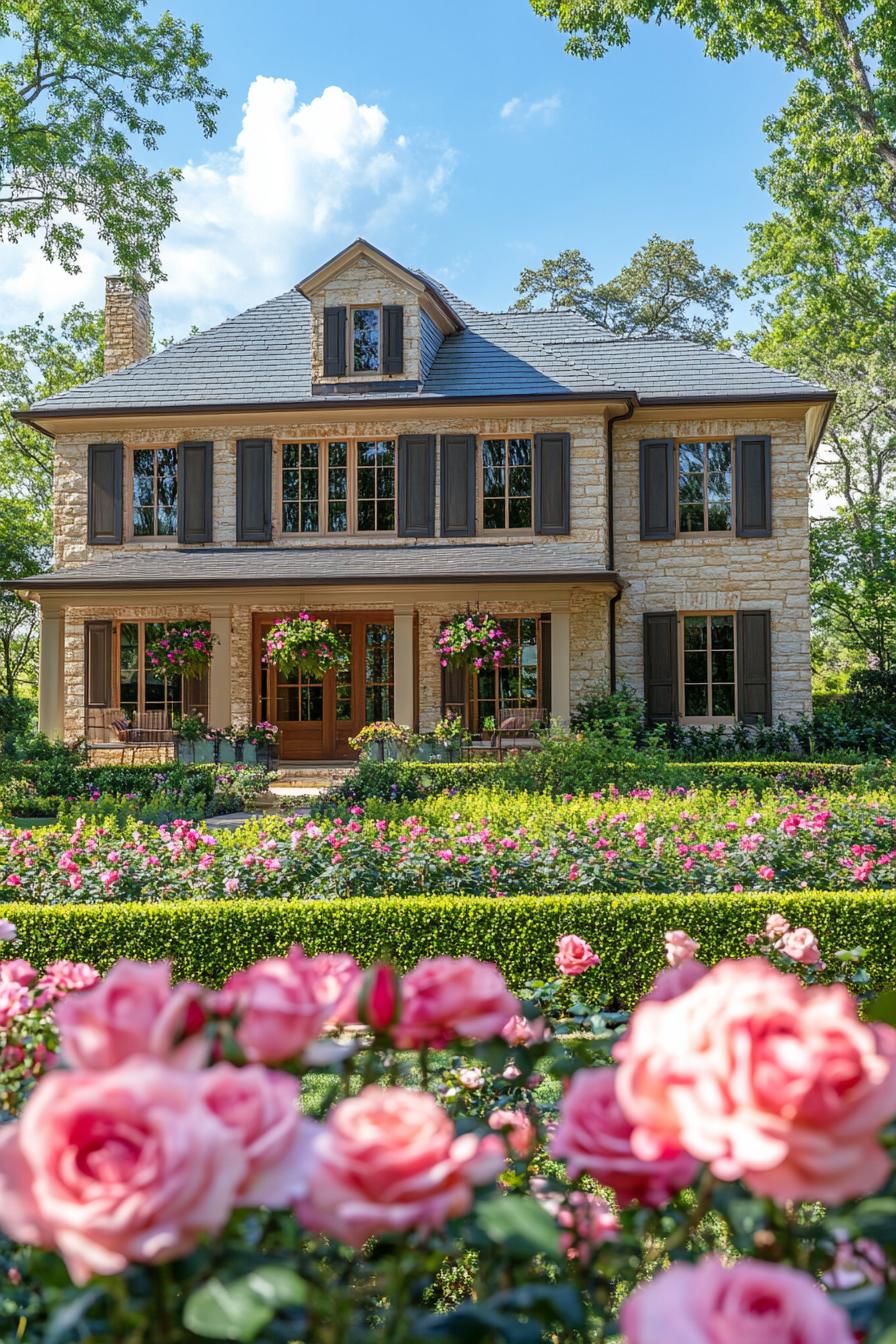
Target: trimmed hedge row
207,940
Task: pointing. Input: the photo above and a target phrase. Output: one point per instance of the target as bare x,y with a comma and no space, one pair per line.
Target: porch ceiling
278,566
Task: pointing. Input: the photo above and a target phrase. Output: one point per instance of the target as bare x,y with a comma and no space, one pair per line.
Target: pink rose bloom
19,971
768,1081
574,956
133,1011
14,1001
674,980
521,1030
752,1302
776,926
448,997
61,977
800,945
340,980
517,1129
586,1221
679,947
261,1107
115,1168
594,1137
283,1004
388,1160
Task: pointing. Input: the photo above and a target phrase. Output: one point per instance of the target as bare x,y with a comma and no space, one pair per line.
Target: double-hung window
506,484
338,488
704,486
154,492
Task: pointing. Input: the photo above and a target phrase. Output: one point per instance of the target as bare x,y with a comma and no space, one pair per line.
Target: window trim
156,538
350,370
708,720
716,532
324,442
481,529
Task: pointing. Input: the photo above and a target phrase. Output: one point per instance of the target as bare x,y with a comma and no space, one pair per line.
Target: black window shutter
98,664
393,338
458,484
661,666
416,485
104,462
253,490
657,489
753,485
754,666
551,484
334,342
194,493
454,692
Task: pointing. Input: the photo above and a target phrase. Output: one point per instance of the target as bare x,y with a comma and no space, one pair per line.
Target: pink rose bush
574,956
478,843
319,1147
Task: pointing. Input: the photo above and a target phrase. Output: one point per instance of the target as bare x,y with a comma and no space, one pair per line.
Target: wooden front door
316,718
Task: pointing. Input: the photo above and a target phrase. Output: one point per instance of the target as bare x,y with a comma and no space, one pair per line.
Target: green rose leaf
239,1310
521,1225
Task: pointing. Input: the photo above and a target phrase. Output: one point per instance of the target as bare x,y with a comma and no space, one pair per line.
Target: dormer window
365,340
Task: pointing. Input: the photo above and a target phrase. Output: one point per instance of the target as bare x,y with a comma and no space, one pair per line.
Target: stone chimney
128,322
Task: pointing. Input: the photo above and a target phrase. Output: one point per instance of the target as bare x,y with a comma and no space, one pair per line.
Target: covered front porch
94,664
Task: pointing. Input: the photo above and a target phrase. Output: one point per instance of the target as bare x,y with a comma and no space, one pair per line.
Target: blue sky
457,137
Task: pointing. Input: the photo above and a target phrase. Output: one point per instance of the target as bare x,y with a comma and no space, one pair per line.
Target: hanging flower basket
474,640
300,644
182,649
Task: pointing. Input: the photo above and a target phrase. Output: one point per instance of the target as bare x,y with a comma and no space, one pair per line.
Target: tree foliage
664,290
80,81
854,581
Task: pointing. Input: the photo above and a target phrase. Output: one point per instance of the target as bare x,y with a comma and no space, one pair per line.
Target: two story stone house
372,449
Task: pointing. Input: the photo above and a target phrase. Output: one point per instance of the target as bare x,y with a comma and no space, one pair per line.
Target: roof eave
59,583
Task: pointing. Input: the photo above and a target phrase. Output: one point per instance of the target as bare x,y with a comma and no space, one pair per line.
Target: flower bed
462,1163
481,844
208,940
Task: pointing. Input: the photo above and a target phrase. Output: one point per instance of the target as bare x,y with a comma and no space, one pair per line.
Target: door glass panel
378,672
129,667
344,681
515,686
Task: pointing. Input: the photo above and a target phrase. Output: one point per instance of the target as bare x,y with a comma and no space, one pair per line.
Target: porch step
297,784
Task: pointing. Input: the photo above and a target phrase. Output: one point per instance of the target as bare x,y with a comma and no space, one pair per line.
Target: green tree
80,83
24,549
37,360
853,562
664,290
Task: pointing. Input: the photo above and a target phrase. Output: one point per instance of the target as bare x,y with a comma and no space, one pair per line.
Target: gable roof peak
416,281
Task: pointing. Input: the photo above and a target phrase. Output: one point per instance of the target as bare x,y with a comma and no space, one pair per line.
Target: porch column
560,699
50,706
403,671
220,671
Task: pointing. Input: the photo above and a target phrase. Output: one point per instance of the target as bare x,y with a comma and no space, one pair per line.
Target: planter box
195,753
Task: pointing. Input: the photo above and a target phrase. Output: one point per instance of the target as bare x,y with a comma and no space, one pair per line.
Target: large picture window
155,492
704,486
301,487
140,686
341,487
506,484
708,663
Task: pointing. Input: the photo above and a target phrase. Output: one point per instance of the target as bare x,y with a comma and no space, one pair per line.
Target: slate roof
262,358
228,566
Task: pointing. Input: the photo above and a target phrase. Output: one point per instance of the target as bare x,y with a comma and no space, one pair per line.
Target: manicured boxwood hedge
208,939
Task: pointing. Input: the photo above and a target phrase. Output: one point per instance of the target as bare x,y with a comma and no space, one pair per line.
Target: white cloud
301,180
520,111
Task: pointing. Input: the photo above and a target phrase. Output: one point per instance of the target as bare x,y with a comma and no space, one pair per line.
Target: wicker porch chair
516,728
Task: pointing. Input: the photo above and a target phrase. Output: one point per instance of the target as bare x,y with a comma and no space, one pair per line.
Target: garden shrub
208,940
405,781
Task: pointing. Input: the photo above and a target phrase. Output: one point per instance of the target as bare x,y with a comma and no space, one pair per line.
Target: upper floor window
365,340
506,484
155,492
338,487
301,487
704,486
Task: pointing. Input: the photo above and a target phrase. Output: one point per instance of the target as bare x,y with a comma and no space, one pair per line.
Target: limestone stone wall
364,282
588,514
719,571
127,325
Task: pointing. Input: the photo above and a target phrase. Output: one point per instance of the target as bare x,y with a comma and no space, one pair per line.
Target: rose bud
379,998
